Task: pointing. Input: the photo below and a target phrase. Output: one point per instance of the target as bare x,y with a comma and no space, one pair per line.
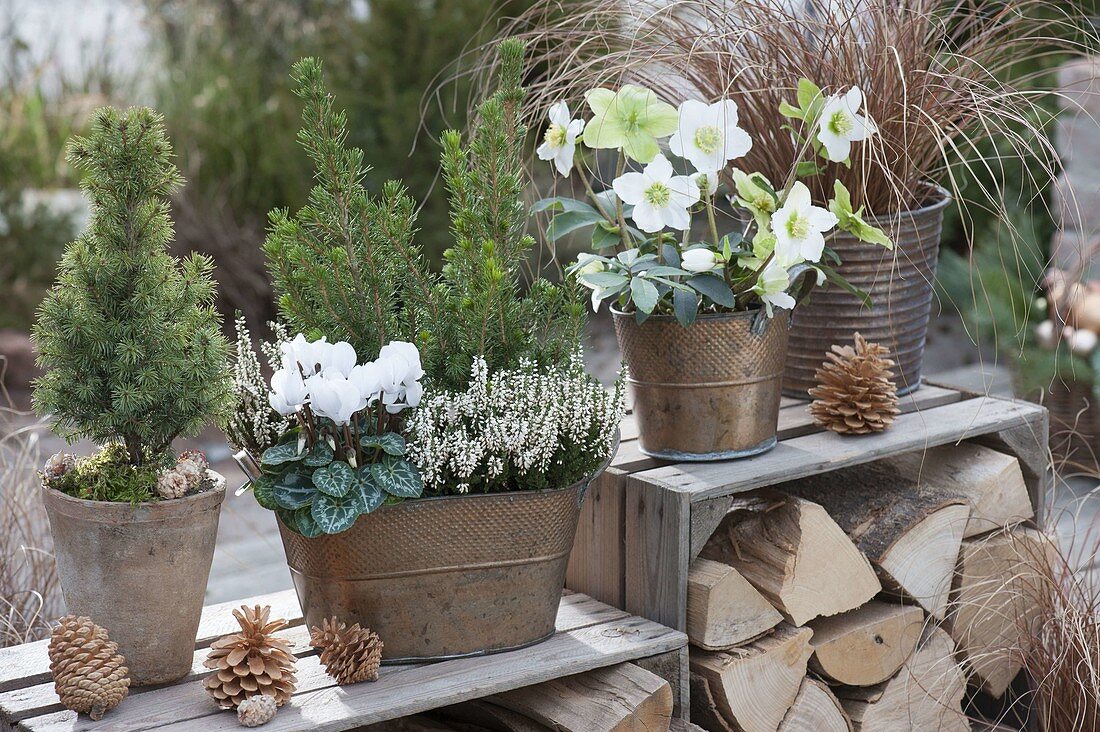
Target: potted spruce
701,313
950,100
425,440
133,356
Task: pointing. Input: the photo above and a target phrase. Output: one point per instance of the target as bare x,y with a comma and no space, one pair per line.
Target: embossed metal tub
444,577
709,391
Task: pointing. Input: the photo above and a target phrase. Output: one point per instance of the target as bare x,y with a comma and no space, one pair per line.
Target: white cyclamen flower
698,260
772,287
333,397
560,141
841,124
340,358
309,357
708,135
400,373
288,391
799,228
659,197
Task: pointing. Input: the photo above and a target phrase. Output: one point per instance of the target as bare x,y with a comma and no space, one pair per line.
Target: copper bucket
899,283
709,391
444,577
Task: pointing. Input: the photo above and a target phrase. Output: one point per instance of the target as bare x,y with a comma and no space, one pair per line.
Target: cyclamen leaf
285,453
263,489
397,477
371,495
333,514
335,480
390,442
293,491
319,455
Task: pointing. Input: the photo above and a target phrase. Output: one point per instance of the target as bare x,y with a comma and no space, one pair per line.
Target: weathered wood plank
810,454
186,700
27,664
795,419
596,564
402,691
656,554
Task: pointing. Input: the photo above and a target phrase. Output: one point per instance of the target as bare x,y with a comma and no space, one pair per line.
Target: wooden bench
645,520
590,635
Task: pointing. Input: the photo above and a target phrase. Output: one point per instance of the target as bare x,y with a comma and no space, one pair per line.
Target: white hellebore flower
772,287
659,198
561,139
333,397
708,135
707,182
800,227
841,124
698,260
288,391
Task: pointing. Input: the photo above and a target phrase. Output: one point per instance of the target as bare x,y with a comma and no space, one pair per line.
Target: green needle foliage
346,265
129,340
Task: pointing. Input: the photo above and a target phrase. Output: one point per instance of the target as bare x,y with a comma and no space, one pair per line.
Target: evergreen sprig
128,338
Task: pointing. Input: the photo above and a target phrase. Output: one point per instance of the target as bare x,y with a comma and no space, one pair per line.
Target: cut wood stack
863,599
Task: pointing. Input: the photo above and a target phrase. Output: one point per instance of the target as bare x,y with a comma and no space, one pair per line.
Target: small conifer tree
128,337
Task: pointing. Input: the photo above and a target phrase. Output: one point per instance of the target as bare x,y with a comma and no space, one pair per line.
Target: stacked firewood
864,599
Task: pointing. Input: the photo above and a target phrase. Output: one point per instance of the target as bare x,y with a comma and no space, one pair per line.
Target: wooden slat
656,557
802,456
28,664
596,564
186,700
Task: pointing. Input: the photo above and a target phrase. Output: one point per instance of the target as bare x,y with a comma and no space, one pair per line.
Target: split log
622,698
723,609
681,725
483,715
704,707
795,555
753,686
911,532
926,694
990,481
815,709
865,646
995,601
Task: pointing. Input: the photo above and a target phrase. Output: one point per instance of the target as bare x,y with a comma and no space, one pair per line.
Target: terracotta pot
140,571
899,283
444,577
709,391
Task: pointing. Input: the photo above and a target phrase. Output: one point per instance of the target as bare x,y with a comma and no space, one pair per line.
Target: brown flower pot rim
665,318
118,511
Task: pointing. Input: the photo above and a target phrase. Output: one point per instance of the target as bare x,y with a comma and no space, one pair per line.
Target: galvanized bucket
445,577
899,283
709,391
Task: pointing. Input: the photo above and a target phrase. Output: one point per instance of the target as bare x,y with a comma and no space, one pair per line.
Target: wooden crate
644,521
590,635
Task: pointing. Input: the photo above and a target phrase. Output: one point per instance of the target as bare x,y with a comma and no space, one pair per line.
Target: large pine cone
253,662
350,655
854,393
89,675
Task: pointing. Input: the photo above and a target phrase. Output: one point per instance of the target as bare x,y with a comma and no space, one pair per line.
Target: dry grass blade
30,595
938,76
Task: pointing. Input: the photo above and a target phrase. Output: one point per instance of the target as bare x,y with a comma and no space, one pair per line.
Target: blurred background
218,71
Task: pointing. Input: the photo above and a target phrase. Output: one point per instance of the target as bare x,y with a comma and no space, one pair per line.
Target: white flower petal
630,187
659,170
676,217
647,217
559,114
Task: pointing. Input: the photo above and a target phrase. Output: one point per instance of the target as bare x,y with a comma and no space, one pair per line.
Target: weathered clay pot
444,577
140,571
899,283
709,391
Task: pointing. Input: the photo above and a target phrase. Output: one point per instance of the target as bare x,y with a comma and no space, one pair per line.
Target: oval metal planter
444,577
140,571
900,284
709,391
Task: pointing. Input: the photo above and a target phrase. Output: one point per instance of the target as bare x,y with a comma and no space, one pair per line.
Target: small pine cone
256,710
854,394
253,662
172,484
350,655
89,675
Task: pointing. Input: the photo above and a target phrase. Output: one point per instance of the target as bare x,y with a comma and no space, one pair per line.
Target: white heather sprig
254,426
522,429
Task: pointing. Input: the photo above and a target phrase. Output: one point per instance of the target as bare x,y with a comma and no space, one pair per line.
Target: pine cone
252,662
89,674
854,394
256,710
350,655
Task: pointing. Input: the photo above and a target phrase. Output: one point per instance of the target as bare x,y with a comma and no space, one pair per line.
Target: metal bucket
709,391
444,577
899,283
140,571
